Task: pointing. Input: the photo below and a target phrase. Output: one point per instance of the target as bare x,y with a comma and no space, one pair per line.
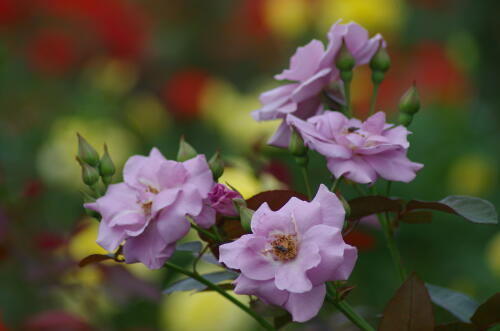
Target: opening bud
216,165
345,61
410,101
86,152
245,213
186,151
106,166
296,145
381,60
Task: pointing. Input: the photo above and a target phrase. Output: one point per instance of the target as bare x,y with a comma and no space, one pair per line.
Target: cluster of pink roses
292,252
359,151
149,210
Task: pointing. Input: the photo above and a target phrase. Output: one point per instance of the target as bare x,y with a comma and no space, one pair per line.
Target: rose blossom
312,71
359,151
148,211
291,253
221,198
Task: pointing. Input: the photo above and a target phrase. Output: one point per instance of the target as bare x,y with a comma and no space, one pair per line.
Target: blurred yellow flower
493,255
471,175
56,157
111,75
229,111
205,311
241,179
287,18
146,114
383,16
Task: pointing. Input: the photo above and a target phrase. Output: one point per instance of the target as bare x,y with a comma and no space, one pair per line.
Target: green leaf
410,309
459,304
192,246
488,314
417,217
189,284
457,326
472,209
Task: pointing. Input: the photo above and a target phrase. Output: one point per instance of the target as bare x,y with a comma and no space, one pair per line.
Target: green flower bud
216,165
296,145
410,101
106,166
186,151
377,77
86,152
302,160
381,60
346,76
345,61
405,119
246,214
90,175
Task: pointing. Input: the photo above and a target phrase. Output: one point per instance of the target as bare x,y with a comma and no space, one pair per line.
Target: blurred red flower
52,52
55,320
183,92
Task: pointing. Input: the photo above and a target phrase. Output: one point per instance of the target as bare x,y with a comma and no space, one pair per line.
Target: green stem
217,234
265,324
335,184
347,91
391,244
205,232
388,188
346,309
374,99
306,181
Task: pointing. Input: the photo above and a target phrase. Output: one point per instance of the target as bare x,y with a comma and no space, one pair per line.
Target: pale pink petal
394,165
304,62
375,123
199,175
355,169
148,248
264,289
332,210
206,218
304,306
291,275
229,253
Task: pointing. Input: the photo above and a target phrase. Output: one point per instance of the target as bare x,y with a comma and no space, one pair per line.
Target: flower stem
374,98
347,92
265,324
391,244
306,181
335,184
205,232
346,309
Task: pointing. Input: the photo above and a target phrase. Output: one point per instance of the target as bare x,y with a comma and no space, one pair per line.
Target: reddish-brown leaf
275,199
373,204
417,217
488,314
410,309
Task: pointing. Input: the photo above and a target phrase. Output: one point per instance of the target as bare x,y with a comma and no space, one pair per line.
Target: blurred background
137,74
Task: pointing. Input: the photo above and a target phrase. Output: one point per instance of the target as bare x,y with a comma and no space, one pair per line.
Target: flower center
147,207
284,247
